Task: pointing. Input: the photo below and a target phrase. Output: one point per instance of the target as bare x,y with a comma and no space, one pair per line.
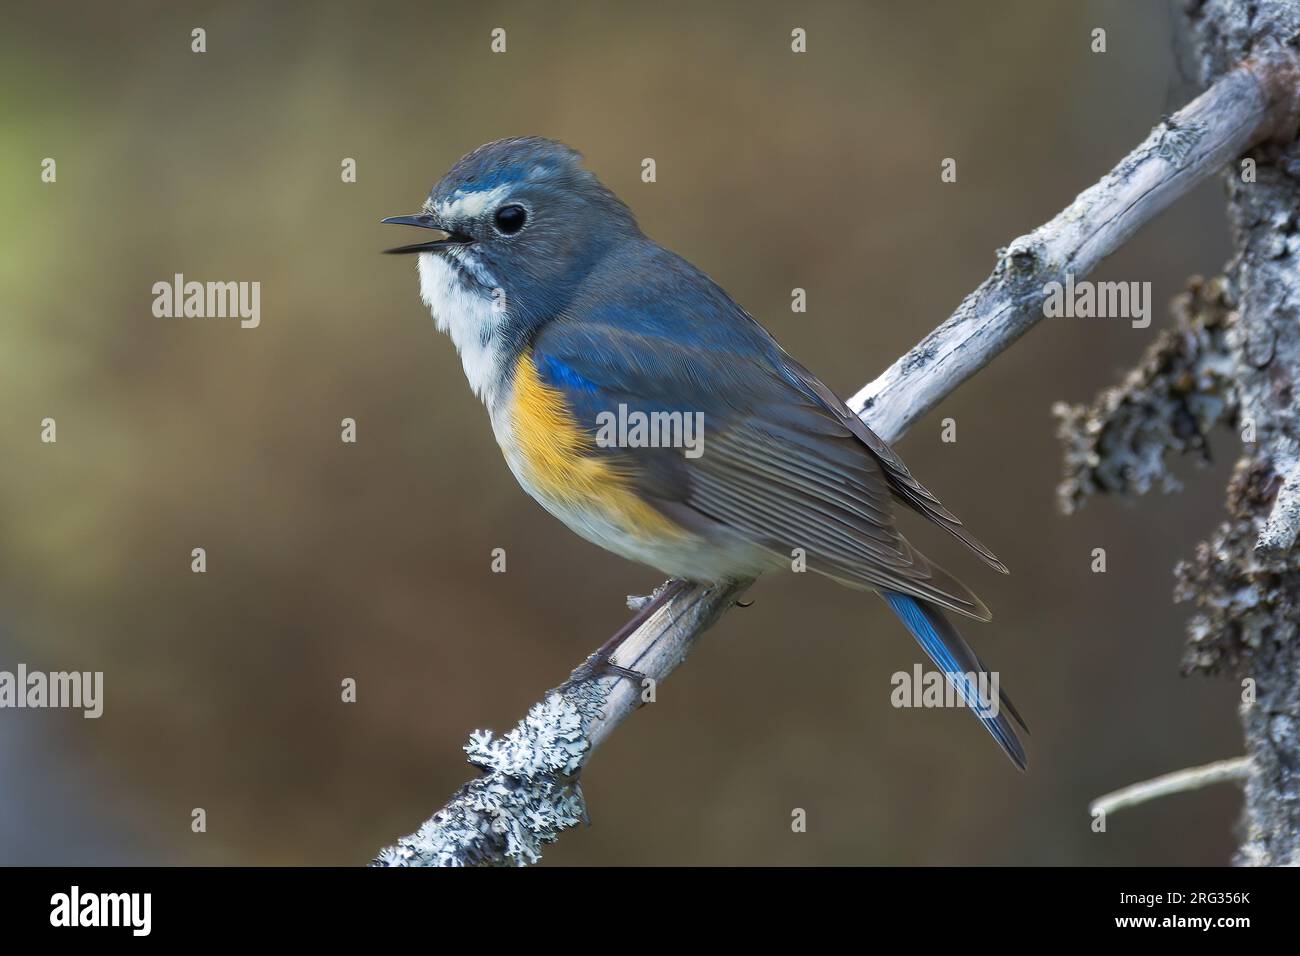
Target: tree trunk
1246,578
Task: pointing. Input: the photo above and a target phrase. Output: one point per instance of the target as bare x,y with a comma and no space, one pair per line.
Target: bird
596,350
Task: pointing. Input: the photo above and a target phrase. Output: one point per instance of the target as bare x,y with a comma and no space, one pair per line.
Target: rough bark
1233,358
1249,591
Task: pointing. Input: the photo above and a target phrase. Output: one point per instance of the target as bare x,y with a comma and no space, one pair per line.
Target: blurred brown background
371,561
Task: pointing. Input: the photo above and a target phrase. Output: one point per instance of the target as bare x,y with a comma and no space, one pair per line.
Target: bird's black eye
510,219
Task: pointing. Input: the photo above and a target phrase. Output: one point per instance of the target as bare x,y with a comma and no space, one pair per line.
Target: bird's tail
950,652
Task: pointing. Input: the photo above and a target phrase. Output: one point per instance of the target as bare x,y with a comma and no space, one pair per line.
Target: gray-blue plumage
545,266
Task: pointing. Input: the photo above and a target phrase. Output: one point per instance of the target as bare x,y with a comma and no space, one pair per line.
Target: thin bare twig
1180,781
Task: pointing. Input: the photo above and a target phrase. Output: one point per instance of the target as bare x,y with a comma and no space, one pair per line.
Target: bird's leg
601,663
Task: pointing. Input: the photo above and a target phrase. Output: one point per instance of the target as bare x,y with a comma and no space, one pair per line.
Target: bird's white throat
469,316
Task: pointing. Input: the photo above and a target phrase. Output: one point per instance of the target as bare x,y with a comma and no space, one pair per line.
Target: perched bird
640,405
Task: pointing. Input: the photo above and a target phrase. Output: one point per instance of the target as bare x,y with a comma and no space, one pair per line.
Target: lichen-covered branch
1238,111
1244,581
1246,602
1181,389
1256,626
528,795
1278,536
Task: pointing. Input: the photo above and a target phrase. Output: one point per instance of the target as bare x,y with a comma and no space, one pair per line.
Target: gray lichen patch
1180,390
1174,141
528,796
1246,604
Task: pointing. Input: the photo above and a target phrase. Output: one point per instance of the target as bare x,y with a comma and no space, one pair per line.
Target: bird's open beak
425,221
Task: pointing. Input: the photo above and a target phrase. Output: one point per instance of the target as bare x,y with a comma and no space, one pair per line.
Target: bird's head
523,224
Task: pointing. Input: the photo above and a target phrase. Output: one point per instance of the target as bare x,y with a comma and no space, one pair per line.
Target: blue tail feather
952,655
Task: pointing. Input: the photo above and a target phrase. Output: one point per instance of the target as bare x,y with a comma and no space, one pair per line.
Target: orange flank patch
560,460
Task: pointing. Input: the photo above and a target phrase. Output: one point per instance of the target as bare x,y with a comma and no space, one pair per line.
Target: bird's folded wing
905,487
776,466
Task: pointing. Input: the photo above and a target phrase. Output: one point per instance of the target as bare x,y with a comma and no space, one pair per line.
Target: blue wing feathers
558,374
